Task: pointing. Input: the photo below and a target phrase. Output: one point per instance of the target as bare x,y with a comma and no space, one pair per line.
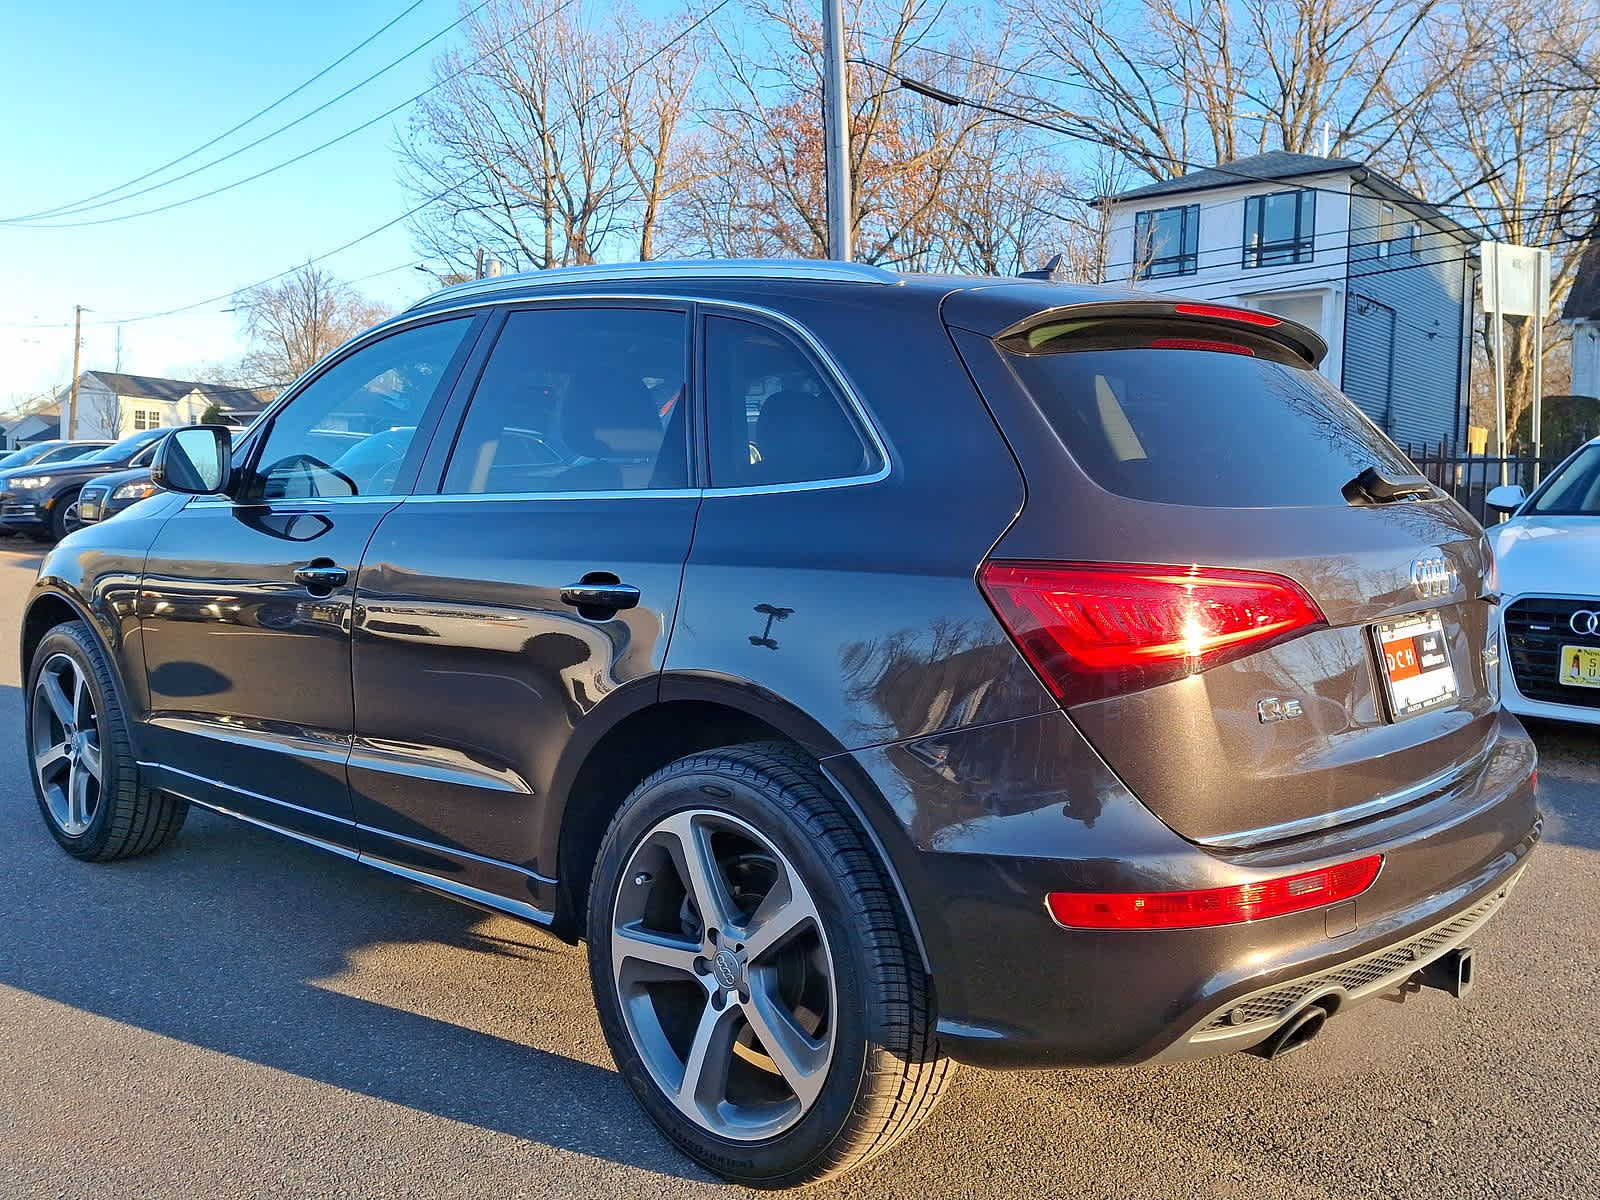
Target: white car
1548,555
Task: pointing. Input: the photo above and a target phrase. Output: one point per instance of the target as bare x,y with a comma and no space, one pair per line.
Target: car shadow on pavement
240,942
21,552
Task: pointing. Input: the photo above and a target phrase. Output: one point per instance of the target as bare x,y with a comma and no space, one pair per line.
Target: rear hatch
1235,584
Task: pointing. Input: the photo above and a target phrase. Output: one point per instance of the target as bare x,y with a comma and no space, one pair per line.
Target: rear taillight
1214,906
1101,629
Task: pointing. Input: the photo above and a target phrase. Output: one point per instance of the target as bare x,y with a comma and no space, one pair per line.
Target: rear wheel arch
694,715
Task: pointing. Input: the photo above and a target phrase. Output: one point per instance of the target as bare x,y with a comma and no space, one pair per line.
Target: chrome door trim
461,891
451,851
164,769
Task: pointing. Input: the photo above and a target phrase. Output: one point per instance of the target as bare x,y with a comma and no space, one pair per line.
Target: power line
436,196
305,116
75,205
1083,133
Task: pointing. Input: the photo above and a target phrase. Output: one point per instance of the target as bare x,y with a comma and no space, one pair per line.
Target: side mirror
196,460
1506,497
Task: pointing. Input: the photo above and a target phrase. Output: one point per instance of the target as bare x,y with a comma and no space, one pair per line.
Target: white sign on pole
1515,282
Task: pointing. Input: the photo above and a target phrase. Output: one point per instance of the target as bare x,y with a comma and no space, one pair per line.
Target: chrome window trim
684,268
787,323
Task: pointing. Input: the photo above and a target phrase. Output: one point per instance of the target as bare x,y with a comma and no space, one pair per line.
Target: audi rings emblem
1433,577
1585,622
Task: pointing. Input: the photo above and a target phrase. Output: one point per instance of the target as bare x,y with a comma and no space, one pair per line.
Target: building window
1397,233
1279,228
1166,241
146,418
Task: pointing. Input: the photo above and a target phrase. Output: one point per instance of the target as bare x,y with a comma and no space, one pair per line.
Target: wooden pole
77,344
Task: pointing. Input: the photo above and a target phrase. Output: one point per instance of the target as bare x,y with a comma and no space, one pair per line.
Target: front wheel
65,518
756,978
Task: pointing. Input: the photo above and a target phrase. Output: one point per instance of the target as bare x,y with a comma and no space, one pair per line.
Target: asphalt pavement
240,1016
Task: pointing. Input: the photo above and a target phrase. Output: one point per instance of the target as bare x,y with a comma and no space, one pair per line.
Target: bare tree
1168,83
935,185
291,324
1509,140
553,135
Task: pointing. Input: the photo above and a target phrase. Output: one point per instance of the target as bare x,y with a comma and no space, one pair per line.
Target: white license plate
1415,655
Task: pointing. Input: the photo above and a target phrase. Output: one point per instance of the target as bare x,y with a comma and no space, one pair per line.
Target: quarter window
350,430
578,400
774,417
1280,228
1166,241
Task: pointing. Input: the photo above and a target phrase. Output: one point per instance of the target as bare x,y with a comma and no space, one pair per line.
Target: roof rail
678,268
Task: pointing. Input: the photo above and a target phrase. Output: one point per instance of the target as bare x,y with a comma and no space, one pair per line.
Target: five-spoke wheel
724,974
65,740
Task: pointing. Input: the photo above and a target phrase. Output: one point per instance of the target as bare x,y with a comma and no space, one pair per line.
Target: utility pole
478,270
836,131
77,344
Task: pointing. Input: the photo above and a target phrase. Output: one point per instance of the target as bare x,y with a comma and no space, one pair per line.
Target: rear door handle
600,595
321,575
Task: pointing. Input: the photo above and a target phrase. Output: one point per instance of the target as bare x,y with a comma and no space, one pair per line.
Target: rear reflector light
1214,906
1223,312
1102,629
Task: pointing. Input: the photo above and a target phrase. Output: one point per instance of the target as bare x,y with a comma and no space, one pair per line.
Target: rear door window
578,400
774,415
1191,417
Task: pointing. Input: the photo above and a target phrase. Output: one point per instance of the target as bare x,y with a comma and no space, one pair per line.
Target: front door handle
321,576
600,594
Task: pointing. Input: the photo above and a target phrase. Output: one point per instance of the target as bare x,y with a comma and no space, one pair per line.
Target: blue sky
95,93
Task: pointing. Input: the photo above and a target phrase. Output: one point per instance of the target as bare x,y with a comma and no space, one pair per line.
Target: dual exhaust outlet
1451,972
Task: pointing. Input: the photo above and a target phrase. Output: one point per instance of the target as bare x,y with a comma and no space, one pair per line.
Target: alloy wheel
724,976
66,745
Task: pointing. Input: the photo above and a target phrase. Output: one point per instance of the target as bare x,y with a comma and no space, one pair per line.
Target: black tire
61,516
885,1072
128,817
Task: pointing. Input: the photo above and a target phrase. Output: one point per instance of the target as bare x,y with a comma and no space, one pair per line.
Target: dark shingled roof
157,388
154,387
1583,301
1275,164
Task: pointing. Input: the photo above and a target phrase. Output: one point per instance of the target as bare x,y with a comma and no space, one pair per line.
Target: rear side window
1176,415
774,416
578,400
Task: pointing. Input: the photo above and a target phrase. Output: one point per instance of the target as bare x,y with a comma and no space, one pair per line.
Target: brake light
1172,343
1214,906
1223,312
1101,629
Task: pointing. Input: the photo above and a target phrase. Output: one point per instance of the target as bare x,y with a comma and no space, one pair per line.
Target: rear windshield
1177,416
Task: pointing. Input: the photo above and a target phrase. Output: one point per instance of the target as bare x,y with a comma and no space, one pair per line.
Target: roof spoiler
1298,338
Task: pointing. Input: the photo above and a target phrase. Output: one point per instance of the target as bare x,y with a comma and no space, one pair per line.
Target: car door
538,581
245,604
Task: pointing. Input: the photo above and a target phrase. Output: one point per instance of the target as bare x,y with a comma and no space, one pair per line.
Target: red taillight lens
1214,906
1223,312
1100,629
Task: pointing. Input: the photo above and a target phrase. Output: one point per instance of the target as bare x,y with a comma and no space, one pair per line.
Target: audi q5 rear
878,671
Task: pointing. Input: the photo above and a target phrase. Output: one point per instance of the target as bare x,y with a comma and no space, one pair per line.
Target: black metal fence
1468,477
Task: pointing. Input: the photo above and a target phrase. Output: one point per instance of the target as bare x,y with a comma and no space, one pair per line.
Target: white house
1386,279
113,405
1582,313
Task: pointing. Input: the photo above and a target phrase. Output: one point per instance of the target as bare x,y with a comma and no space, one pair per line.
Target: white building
1582,312
112,405
1386,279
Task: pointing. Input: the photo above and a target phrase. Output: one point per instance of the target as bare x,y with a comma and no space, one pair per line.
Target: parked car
42,501
1037,675
103,498
48,452
1548,556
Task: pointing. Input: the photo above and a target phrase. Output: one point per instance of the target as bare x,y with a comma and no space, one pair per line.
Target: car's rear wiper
1372,486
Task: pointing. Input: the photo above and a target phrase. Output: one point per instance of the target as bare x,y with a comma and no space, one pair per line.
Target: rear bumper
1012,812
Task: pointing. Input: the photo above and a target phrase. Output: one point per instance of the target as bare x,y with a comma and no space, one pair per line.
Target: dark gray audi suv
878,671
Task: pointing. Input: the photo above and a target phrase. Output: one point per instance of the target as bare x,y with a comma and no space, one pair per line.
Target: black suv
43,502
878,671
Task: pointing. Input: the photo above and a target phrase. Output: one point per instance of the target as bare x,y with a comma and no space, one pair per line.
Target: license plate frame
1588,664
1414,661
